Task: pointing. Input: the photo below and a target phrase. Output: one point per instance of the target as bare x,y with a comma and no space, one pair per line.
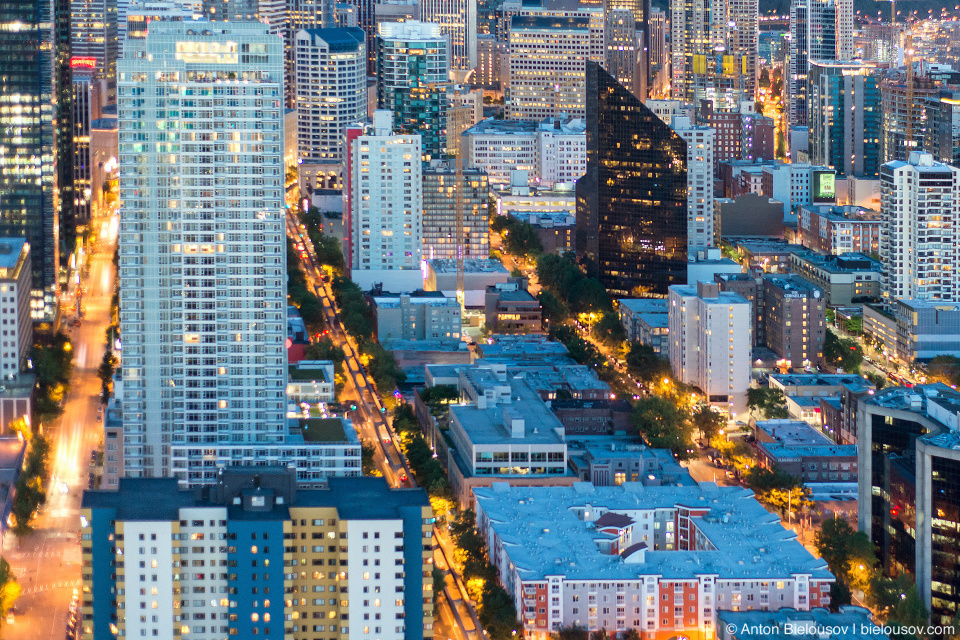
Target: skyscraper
87,106
202,248
844,109
230,10
920,229
27,143
440,213
819,30
904,116
413,79
632,203
657,40
714,50
305,14
94,36
547,62
331,94
458,21
386,206
700,169
942,135
622,37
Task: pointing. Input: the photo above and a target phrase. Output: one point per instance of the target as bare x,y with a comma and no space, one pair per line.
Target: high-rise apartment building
700,169
794,321
632,203
201,248
845,118
240,539
547,66
88,97
714,50
27,143
620,32
440,238
904,116
942,135
300,15
920,222
386,207
331,95
819,30
412,81
710,342
458,21
93,39
15,275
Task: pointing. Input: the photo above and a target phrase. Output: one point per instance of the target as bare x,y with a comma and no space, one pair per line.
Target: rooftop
551,531
643,305
779,451
792,433
339,39
424,345
514,346
549,23
845,263
474,265
816,379
491,126
332,430
493,424
10,254
761,244
298,373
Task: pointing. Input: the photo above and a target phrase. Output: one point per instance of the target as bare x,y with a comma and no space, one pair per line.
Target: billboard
824,186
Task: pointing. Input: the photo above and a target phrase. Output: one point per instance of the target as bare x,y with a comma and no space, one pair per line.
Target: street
47,563
457,620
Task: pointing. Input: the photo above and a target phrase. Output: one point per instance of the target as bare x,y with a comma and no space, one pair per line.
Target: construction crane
908,60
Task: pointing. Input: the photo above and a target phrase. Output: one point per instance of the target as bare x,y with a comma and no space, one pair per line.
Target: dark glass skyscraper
27,141
632,203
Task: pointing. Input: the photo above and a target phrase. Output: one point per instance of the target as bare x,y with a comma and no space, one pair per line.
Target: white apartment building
386,207
920,229
17,325
710,342
552,151
548,66
792,184
700,169
331,73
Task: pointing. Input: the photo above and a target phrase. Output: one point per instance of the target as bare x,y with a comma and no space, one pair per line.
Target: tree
554,309
843,352
574,632
630,634
849,554
325,349
663,425
708,422
645,364
768,402
878,380
609,330
777,488
9,589
599,634
945,369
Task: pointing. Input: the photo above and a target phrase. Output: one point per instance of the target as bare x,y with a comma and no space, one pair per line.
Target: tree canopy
663,425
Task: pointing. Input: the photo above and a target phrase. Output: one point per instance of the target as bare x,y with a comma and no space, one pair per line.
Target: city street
47,563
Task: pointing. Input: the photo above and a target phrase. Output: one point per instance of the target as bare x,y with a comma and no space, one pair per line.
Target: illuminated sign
83,63
824,186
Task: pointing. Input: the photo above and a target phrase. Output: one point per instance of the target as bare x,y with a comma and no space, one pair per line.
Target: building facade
15,274
458,22
819,30
838,230
440,236
710,342
417,317
701,229
27,140
843,103
331,94
373,580
637,177
920,214
794,318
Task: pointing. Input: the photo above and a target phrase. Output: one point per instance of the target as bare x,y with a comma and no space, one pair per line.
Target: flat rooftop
487,426
544,536
473,265
779,451
816,379
332,430
644,305
792,433
304,374
10,250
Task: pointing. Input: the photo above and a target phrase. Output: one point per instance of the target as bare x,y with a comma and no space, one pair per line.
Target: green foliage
768,402
520,238
878,380
355,313
30,493
945,369
840,595
574,632
580,350
498,615
105,371
9,589
311,310
842,352
777,488
708,422
427,469
383,368
554,309
439,396
563,278
609,330
599,634
369,465
663,425
851,557
52,364
854,325
897,602
325,349
644,363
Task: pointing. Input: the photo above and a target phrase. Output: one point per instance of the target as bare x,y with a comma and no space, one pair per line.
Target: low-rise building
788,432
794,319
421,315
519,199
811,463
845,279
849,623
516,349
441,275
770,255
593,417
835,230
645,321
606,461
311,381
383,542
512,436
662,560
815,384
926,330
880,325
510,308
554,228
15,284
705,264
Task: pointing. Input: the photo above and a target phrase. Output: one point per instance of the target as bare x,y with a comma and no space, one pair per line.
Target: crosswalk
63,584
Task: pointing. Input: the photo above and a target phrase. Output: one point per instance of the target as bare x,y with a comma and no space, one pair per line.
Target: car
403,477
386,439
10,617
